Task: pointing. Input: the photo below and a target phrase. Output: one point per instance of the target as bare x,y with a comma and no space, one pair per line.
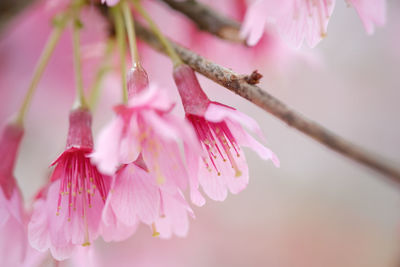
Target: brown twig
207,19
239,85
9,9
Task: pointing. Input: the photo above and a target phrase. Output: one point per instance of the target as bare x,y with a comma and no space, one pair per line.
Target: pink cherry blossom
146,126
69,213
136,197
304,20
12,230
296,20
371,12
222,166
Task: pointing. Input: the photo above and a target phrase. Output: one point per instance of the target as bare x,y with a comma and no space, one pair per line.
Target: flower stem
167,45
59,26
94,91
120,33
130,28
77,25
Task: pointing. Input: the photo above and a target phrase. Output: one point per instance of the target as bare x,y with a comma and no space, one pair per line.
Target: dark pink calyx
194,100
9,143
137,80
218,141
140,162
80,129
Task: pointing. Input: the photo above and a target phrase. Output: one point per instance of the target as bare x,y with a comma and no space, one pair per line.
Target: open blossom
145,126
140,147
222,166
69,213
12,229
136,197
304,20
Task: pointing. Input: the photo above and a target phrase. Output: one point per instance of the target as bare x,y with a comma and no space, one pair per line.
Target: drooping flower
304,20
12,230
141,148
222,166
69,213
145,126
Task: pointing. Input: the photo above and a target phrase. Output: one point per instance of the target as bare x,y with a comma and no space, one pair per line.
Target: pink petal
152,98
213,184
371,12
244,139
164,160
38,227
61,253
129,147
192,160
217,112
176,211
161,127
4,213
254,22
106,154
13,242
134,195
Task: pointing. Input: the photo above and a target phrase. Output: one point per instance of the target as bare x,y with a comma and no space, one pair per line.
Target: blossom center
218,141
79,182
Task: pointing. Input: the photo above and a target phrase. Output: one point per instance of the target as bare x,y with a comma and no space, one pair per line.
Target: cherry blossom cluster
148,164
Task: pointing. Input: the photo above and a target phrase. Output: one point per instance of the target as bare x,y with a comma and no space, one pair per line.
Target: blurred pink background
318,210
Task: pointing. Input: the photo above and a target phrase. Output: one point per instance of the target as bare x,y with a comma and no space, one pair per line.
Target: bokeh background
317,210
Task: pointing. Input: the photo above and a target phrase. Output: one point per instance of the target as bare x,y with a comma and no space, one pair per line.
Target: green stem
167,45
130,28
94,91
120,33
81,100
48,50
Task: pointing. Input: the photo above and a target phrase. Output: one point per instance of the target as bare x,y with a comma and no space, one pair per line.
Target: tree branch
207,19
239,85
9,9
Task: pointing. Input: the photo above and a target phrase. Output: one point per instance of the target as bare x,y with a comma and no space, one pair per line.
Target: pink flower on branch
12,220
145,126
136,197
219,130
141,148
70,213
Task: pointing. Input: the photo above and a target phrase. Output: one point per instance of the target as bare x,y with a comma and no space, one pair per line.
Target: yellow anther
155,233
238,173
